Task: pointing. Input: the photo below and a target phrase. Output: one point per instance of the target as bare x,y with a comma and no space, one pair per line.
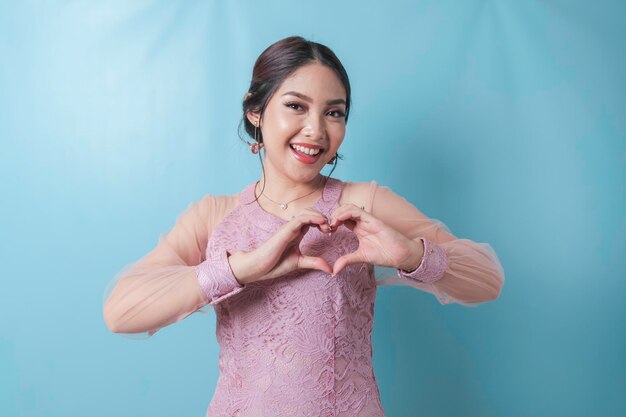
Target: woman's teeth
307,151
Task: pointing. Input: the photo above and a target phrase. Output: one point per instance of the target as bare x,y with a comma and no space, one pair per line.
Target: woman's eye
293,104
338,113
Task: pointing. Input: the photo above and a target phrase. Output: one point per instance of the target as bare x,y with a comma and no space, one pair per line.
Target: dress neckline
324,203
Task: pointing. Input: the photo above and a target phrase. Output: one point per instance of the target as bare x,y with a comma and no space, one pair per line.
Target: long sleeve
454,270
174,279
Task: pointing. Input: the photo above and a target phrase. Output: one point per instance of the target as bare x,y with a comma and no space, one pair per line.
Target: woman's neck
285,190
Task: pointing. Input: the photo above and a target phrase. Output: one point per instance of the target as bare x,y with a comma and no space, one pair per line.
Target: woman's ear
253,118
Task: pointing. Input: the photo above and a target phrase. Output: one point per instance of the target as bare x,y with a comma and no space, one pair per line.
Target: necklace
285,205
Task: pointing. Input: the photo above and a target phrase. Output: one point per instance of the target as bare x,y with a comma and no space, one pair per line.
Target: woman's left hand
379,244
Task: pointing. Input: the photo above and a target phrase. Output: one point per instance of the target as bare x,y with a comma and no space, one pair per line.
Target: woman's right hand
281,254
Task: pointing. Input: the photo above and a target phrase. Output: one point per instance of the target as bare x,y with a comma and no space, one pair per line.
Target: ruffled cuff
432,267
216,278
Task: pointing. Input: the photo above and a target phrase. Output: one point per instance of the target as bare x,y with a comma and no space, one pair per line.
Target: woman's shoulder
359,193
212,207
220,199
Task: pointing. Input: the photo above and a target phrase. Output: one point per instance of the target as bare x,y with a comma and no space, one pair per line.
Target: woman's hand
281,254
379,244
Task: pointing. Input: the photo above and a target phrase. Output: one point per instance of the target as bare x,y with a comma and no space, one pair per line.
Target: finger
292,234
314,262
341,210
323,227
345,260
332,220
313,218
348,211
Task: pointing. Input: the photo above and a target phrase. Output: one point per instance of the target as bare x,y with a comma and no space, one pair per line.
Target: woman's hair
279,61
276,63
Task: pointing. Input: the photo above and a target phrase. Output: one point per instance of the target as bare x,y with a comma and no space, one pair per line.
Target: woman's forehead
316,81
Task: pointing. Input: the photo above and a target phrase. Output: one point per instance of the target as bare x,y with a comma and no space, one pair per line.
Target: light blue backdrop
504,119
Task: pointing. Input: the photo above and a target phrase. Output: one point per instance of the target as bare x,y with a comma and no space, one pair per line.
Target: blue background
503,119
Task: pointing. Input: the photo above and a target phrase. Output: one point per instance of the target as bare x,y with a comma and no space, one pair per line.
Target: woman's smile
304,154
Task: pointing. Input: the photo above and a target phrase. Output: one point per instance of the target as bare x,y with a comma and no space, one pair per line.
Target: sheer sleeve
173,280
454,270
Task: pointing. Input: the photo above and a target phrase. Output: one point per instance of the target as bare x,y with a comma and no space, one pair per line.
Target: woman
288,263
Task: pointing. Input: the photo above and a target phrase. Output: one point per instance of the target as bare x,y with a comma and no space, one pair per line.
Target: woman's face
308,109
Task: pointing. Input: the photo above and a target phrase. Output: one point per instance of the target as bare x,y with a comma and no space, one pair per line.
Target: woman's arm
174,279
455,270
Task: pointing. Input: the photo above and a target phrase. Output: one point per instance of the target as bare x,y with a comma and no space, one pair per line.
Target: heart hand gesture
281,254
379,244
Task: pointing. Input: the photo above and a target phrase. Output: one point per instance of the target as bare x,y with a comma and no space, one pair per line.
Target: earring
255,147
332,160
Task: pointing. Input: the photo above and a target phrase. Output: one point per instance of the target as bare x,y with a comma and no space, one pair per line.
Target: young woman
288,262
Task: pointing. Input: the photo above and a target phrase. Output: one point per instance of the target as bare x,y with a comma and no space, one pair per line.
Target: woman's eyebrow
309,99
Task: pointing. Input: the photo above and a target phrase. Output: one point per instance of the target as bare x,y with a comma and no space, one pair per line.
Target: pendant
283,206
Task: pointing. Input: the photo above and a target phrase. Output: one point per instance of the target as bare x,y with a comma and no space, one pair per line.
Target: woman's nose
314,127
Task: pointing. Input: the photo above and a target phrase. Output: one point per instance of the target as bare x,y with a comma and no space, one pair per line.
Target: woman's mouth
301,154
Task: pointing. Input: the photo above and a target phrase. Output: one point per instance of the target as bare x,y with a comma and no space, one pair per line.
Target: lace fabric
299,344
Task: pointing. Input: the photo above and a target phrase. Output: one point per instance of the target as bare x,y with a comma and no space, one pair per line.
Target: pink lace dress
299,344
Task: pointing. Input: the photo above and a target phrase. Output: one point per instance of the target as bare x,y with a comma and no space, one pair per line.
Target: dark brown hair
276,63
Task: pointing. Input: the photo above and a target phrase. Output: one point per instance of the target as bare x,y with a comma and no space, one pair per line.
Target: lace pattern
432,266
299,344
216,278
